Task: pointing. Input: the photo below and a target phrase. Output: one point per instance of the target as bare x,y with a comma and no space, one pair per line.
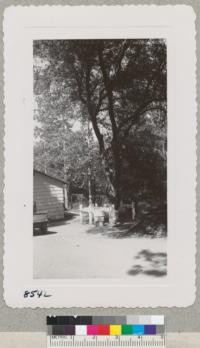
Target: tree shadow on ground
109,231
150,263
150,222
127,230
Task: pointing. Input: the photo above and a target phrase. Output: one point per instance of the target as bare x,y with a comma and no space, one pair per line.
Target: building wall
48,196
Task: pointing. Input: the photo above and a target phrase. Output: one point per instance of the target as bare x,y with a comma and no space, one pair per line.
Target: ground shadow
126,230
110,231
150,222
38,232
68,217
150,263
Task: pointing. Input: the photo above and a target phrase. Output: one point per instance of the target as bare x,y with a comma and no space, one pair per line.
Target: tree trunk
115,140
114,179
117,168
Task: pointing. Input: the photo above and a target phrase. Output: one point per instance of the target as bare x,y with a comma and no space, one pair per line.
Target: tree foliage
120,87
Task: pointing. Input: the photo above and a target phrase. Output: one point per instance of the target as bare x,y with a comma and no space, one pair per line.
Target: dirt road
69,251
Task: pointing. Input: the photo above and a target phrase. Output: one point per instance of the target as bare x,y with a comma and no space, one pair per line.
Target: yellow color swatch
115,330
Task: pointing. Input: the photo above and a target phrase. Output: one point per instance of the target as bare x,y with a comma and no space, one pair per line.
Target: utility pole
66,202
45,158
89,164
89,173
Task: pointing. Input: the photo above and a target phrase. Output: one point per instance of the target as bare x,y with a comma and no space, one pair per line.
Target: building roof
55,177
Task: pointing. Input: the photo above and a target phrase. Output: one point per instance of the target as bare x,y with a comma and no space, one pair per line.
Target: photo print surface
100,158
100,161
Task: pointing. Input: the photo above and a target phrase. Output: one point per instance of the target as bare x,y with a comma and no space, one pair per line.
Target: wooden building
49,194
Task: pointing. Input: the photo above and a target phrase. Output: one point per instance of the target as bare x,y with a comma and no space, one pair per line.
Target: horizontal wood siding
48,195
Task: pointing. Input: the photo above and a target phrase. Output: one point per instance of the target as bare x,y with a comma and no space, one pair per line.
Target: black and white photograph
100,158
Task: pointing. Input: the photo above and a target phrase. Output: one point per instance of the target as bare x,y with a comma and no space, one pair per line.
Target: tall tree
115,83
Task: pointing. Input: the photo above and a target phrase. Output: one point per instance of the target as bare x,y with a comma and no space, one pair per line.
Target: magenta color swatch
92,330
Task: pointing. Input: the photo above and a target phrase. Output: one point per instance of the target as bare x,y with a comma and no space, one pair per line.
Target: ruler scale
125,331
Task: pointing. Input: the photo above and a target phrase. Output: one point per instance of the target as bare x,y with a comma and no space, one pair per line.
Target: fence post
90,215
113,215
80,212
133,210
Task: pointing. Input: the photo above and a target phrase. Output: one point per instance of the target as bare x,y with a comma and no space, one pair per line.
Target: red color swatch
104,330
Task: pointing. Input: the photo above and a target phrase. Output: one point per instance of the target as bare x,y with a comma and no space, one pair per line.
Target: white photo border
22,25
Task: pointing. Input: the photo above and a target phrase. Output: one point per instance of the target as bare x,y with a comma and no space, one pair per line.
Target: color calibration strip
101,331
106,326
106,330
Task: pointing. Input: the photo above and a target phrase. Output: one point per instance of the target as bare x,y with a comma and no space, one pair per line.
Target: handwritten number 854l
35,293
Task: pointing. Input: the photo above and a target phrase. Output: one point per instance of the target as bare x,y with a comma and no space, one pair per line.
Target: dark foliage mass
116,91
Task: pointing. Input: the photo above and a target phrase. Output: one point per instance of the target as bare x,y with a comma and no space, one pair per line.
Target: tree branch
102,96
120,57
137,114
93,115
108,90
79,85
